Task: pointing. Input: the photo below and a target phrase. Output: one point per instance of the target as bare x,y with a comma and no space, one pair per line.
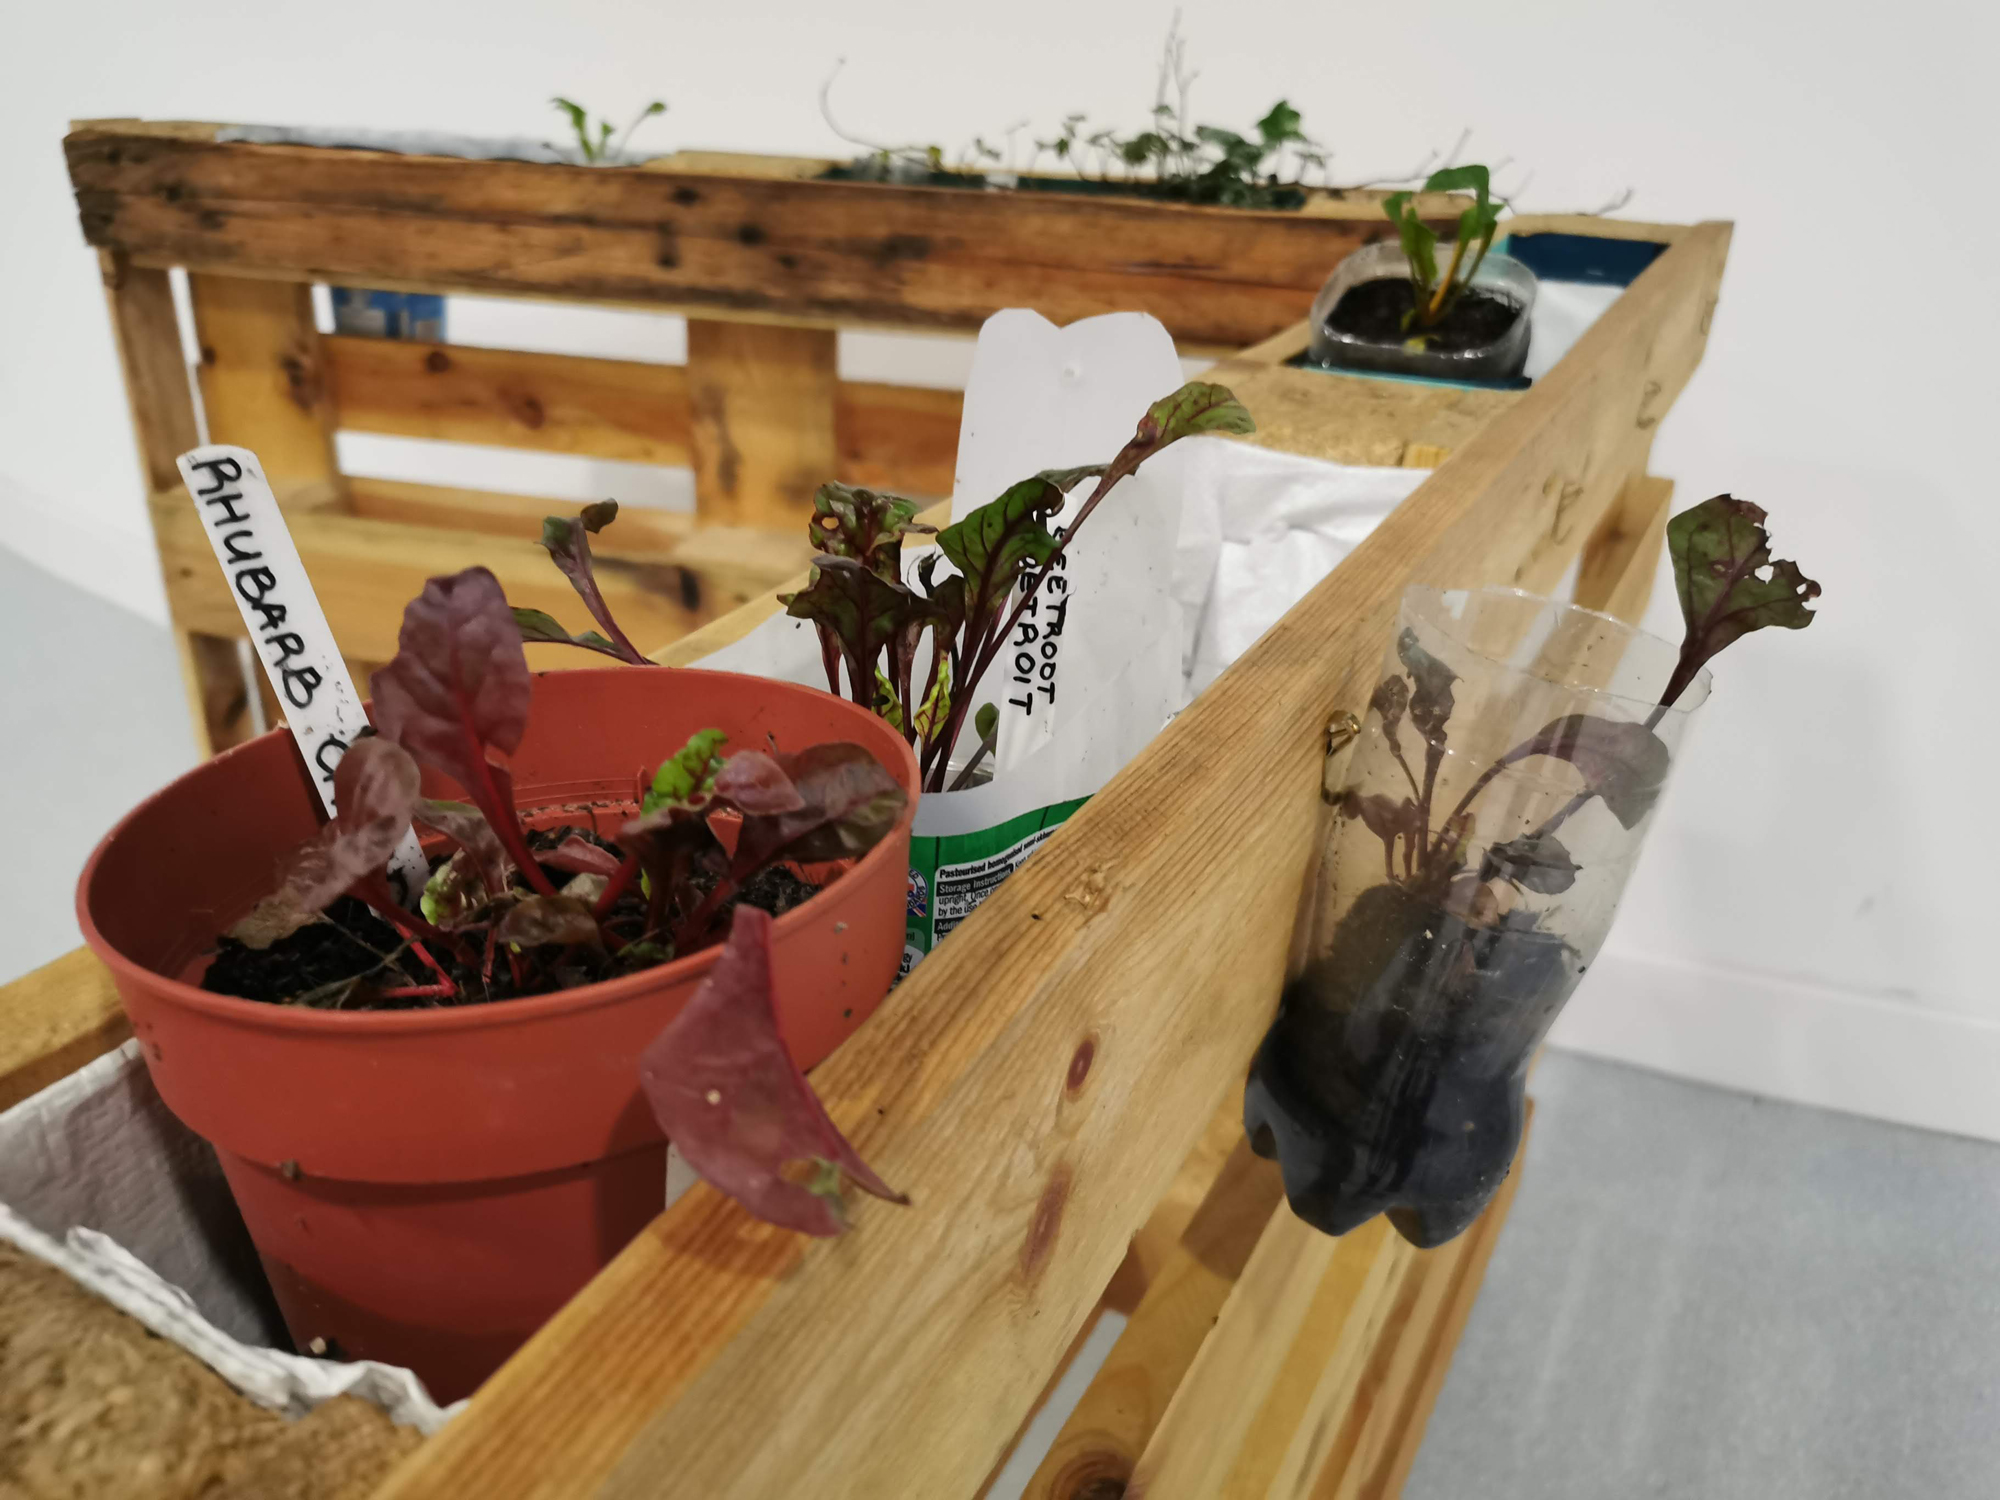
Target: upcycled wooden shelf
1056,1086
768,262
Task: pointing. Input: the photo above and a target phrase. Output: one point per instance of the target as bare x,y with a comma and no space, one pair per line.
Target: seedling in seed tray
1434,294
594,137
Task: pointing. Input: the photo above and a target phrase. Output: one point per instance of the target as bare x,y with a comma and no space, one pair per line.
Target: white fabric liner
94,1164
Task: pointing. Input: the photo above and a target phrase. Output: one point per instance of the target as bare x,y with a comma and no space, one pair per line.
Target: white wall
1826,861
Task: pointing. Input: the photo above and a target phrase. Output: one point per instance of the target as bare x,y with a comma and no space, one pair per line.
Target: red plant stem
444,985
698,920
506,823
990,646
620,882
417,992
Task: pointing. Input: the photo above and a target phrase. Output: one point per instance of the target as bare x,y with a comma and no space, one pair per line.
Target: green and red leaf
567,539
1728,582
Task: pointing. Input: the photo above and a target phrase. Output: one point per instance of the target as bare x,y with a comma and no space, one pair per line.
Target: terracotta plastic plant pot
427,1187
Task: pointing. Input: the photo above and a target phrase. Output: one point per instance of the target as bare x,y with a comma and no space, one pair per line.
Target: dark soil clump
353,960
1394,1078
1375,310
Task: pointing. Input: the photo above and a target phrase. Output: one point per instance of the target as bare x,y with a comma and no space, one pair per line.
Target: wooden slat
263,377
1160,1240
640,530
762,400
1110,1426
901,438
553,403
366,570
1620,561
55,1020
837,252
1351,419
1037,1082
146,330
1410,1359
1289,1345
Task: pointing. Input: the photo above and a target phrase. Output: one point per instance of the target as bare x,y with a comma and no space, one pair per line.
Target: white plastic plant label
287,626
1043,397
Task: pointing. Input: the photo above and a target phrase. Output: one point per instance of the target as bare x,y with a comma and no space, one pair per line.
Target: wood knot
1092,891
750,234
437,361
1094,1476
686,197
1048,1219
1079,1065
527,411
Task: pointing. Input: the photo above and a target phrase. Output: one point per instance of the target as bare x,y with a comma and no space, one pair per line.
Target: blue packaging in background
388,315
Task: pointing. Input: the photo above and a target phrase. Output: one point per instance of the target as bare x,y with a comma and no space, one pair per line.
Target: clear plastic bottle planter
1444,942
1499,275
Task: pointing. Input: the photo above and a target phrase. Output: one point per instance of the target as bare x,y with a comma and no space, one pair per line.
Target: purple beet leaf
568,541
548,919
375,788
729,1097
457,694
576,855
847,803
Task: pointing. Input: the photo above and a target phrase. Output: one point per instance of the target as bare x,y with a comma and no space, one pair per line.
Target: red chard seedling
872,623
1728,585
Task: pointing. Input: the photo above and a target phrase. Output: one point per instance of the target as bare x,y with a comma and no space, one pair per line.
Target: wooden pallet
1056,1085
767,261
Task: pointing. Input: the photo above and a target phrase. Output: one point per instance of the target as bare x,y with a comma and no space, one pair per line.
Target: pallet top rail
755,238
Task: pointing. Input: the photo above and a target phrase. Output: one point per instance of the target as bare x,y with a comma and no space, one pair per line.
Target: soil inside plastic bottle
350,942
1394,1077
1374,311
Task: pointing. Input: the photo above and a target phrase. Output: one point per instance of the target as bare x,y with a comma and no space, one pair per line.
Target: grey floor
92,718
1705,1295
1700,1296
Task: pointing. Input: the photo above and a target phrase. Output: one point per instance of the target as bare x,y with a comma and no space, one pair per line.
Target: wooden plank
55,1020
1410,1359
1110,1426
1296,1323
1351,419
901,438
263,378
838,252
366,570
552,403
1159,1242
763,409
1036,1083
639,530
146,331
1620,561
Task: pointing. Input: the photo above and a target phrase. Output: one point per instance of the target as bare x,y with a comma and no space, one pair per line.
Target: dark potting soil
318,965
1394,1079
1374,311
